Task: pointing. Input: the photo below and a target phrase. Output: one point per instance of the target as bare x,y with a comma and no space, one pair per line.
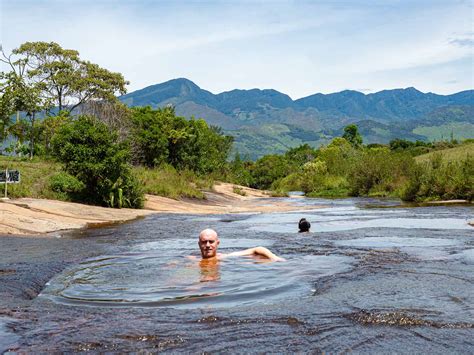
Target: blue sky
296,47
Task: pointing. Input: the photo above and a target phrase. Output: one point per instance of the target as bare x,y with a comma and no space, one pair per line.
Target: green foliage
168,182
162,137
91,153
65,185
300,155
64,79
378,172
441,179
338,156
47,128
269,169
239,191
35,177
239,171
352,135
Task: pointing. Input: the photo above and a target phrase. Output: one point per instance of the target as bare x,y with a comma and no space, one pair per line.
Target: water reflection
209,270
149,279
374,280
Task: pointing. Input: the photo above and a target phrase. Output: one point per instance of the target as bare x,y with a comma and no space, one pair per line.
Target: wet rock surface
411,292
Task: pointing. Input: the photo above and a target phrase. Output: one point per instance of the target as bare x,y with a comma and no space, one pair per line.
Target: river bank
41,217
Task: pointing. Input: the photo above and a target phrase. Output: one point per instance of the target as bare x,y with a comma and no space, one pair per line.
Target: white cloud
297,48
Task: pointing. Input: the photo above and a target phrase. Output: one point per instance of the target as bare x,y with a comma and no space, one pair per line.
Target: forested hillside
267,121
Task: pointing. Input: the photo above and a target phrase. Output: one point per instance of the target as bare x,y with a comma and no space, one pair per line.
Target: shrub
379,172
436,179
167,181
64,182
239,191
90,152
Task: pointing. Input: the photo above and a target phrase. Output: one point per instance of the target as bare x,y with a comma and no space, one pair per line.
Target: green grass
35,175
168,182
238,190
452,154
330,193
459,130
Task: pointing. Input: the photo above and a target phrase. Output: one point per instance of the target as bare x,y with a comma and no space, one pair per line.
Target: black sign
10,176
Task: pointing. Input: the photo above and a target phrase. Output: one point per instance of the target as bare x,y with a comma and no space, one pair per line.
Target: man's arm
262,251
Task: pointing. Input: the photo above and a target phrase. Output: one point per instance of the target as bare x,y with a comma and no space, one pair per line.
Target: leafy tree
162,137
352,135
400,144
240,171
48,128
300,155
91,153
338,156
151,129
62,78
201,148
269,169
18,93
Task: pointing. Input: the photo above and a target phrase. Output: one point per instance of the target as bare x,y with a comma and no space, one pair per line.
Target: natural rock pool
372,276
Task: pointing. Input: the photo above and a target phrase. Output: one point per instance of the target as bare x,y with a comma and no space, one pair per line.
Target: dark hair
304,225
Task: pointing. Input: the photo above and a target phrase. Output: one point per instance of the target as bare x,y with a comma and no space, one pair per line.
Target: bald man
209,242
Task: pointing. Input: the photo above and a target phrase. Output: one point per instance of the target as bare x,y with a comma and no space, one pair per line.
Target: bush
436,179
167,181
64,182
161,137
91,153
268,169
379,172
239,191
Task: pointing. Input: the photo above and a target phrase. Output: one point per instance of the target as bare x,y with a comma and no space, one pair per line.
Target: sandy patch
28,216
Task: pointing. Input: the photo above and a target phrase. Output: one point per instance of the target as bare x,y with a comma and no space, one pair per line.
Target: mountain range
268,121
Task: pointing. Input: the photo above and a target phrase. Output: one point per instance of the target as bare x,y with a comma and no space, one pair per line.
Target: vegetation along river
372,276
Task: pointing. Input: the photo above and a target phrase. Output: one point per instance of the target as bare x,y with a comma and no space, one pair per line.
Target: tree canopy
61,77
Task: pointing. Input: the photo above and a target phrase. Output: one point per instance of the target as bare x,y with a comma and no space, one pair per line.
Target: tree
63,78
150,135
269,169
162,137
352,135
18,94
300,155
91,153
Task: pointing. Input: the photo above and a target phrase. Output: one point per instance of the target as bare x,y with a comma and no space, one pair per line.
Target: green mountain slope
268,121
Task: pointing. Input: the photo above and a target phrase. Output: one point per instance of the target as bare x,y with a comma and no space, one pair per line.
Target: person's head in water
208,243
304,225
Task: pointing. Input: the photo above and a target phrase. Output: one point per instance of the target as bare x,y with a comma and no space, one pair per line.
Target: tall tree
18,93
63,78
352,135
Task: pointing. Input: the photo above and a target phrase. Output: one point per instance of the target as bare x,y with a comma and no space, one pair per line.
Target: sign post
9,177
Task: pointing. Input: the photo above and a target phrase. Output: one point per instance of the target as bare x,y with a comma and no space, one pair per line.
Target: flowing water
371,276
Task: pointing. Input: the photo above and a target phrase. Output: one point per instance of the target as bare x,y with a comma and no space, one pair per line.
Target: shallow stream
371,276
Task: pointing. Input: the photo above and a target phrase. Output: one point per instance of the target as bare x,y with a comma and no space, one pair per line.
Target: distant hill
268,121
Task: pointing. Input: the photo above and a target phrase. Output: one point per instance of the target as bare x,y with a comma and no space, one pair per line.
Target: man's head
208,243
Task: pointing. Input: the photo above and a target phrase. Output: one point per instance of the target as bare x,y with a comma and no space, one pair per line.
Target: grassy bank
35,177
451,154
36,181
340,170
